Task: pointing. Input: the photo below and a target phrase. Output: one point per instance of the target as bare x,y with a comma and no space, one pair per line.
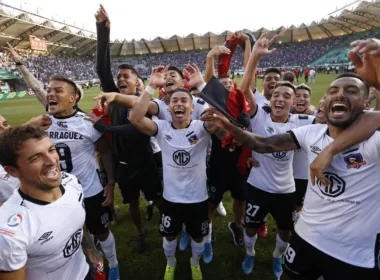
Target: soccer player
184,145
76,140
136,167
271,185
326,242
41,224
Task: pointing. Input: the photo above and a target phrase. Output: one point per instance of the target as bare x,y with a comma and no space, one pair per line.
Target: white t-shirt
183,160
153,141
342,220
275,173
312,73
44,237
8,185
260,99
163,109
74,139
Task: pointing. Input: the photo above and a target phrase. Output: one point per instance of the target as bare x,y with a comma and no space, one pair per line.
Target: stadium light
280,42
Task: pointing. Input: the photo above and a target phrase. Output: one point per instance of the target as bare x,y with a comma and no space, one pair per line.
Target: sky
149,19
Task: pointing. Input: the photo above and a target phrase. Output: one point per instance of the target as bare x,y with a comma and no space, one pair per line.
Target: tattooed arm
89,248
259,144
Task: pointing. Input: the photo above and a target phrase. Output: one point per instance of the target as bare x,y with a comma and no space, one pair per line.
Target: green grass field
151,265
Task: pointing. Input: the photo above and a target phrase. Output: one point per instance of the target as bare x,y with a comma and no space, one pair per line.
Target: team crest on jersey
279,155
193,139
73,244
354,161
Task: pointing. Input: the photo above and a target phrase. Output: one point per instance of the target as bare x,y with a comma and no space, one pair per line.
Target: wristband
19,63
150,90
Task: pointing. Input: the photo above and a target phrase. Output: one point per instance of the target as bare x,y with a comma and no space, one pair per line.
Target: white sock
169,249
183,228
150,202
197,251
250,244
208,236
280,247
109,250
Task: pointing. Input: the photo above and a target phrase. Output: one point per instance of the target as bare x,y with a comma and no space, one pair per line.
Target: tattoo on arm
86,241
34,84
276,143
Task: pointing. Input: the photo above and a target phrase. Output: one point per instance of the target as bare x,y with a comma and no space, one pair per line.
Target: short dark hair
353,75
128,67
182,90
305,87
272,70
289,76
13,138
174,68
68,81
223,77
286,84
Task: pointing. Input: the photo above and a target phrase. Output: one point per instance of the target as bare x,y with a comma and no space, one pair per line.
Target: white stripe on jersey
183,159
46,239
199,106
275,174
74,139
341,220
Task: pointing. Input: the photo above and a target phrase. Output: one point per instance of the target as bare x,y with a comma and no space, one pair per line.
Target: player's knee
251,232
198,240
170,238
284,235
103,236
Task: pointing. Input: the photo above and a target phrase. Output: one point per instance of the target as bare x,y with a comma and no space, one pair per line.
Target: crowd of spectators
83,68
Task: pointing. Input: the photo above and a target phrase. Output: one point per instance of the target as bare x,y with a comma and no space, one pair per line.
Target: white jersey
183,160
312,73
260,99
342,220
163,109
8,185
74,139
44,237
275,174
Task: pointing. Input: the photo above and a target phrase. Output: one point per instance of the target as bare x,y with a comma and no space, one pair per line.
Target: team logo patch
62,124
105,219
279,154
181,157
354,161
336,188
73,244
14,220
193,139
316,150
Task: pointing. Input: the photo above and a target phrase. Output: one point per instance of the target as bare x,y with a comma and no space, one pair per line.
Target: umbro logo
46,237
270,129
315,150
62,124
168,137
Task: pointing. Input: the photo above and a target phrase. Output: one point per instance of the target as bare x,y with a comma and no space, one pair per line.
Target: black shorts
133,179
304,261
158,160
97,216
193,215
259,203
301,186
222,179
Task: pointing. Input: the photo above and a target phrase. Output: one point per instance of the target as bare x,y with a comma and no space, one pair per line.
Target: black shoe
213,237
149,212
140,242
237,234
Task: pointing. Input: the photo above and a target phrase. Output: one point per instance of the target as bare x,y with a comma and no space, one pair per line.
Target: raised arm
139,110
28,77
259,144
103,58
247,49
248,84
210,59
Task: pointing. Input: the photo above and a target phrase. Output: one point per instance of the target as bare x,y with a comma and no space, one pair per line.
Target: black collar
37,201
67,117
171,123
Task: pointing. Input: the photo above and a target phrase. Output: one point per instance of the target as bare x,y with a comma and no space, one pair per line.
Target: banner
13,95
37,44
5,75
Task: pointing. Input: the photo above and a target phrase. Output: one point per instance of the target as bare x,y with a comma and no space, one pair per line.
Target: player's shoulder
198,101
70,180
159,102
302,119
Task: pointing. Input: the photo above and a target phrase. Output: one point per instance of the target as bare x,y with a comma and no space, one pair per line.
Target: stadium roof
16,25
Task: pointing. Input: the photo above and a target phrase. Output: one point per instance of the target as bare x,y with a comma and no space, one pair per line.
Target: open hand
102,16
262,45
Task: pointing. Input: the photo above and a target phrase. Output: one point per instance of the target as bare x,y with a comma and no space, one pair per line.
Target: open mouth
278,107
52,102
272,87
339,108
179,112
52,173
122,87
169,84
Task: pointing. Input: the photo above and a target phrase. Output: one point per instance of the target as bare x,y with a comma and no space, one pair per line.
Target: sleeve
13,240
160,127
255,118
161,113
92,133
103,58
201,107
299,136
